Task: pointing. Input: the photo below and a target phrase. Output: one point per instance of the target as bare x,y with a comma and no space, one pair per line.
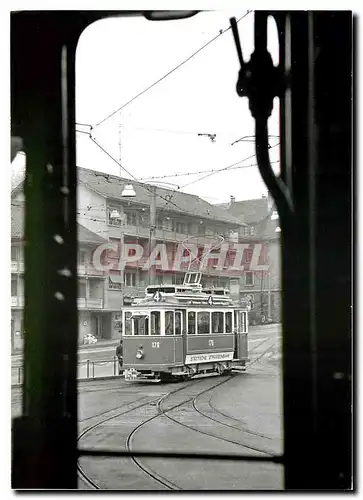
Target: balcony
87,269
84,303
164,235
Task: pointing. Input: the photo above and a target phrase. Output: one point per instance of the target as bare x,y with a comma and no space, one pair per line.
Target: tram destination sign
208,357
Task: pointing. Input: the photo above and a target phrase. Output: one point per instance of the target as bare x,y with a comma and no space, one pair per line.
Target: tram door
179,340
236,334
240,340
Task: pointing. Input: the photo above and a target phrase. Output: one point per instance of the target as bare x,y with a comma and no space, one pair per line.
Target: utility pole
152,232
122,271
269,296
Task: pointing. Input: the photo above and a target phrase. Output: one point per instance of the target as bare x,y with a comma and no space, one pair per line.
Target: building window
14,286
159,223
132,218
112,220
249,278
82,257
252,228
177,280
247,255
130,279
155,323
247,230
179,227
82,289
113,284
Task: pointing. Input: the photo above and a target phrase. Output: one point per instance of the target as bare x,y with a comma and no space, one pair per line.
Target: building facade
115,257
261,286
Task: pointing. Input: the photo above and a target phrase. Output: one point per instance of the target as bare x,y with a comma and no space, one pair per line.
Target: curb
108,377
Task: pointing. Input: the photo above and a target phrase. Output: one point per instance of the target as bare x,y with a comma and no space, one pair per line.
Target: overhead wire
168,200
221,32
182,174
144,186
223,169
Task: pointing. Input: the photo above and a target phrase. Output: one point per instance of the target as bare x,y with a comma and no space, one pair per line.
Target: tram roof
151,305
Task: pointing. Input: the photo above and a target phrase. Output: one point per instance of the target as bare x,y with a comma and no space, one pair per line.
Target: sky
157,134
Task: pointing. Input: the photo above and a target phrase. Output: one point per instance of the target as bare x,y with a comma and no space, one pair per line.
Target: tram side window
203,322
128,324
217,322
169,323
228,322
141,325
155,323
191,323
178,323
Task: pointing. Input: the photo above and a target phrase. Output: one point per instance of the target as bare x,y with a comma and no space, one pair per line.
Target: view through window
168,184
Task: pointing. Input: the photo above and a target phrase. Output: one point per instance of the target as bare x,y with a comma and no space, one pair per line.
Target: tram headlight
139,354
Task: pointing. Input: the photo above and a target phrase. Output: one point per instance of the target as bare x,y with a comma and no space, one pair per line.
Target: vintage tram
180,331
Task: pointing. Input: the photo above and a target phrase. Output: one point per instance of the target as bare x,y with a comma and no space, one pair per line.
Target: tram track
162,481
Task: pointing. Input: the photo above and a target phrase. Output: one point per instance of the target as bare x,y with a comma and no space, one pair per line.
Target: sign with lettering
208,357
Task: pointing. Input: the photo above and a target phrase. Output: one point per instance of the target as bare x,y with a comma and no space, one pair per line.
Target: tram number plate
155,345
130,374
211,343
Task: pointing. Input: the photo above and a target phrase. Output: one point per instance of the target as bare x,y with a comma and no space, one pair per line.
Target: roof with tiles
17,226
111,187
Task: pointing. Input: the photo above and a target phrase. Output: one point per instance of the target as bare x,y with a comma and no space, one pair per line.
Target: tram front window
169,323
141,325
228,322
178,323
203,322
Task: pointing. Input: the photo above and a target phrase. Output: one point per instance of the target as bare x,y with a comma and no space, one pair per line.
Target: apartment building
95,312
108,222
262,287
